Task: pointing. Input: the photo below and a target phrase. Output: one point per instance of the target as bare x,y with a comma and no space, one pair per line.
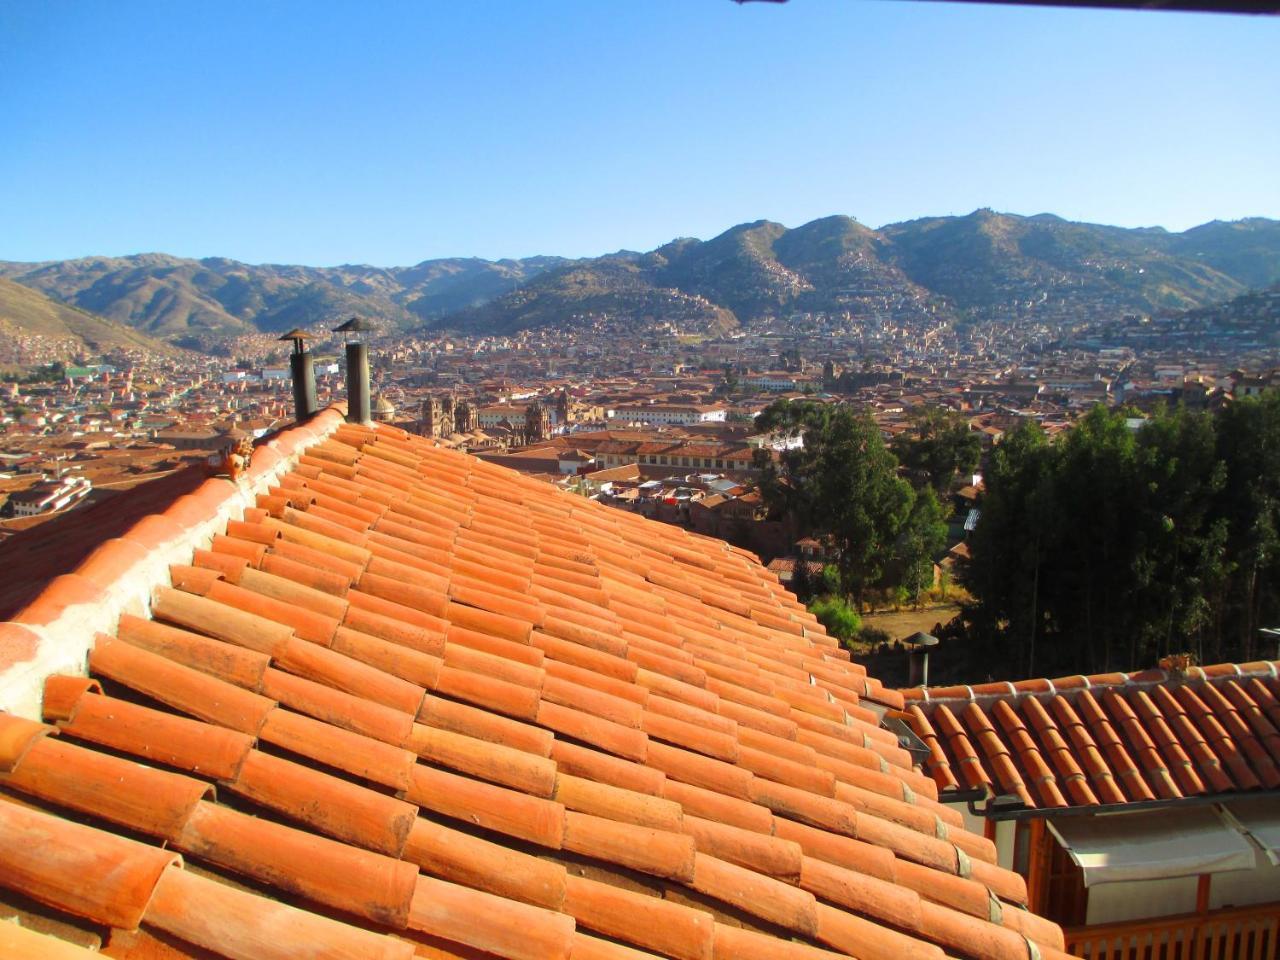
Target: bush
840,619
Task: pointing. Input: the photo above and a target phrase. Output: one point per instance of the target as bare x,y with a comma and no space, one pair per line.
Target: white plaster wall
1005,830
1240,888
971,823
1141,900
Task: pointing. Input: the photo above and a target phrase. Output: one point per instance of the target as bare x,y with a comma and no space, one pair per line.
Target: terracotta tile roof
1108,739
398,701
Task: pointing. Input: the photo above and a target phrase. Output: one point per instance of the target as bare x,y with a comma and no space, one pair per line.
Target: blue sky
389,133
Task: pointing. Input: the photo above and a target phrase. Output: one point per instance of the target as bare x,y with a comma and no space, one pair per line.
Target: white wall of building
1240,888
1141,899
683,416
1147,899
774,384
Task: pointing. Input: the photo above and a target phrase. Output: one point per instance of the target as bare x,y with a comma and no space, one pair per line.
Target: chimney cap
296,334
922,639
354,325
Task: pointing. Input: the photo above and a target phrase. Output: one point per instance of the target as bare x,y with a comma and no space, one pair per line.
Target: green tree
923,537
781,478
1097,565
859,498
938,447
1249,503
1181,476
1114,547
792,417
1009,547
842,483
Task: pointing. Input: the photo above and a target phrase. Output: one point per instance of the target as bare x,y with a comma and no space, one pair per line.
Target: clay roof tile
649,922
342,877
158,737
495,808
341,749
149,801
201,911
863,938
47,858
593,764
21,943
661,853
335,807
337,707
190,690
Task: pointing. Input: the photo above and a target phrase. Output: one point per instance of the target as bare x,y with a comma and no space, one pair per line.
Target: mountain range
169,296
24,311
982,263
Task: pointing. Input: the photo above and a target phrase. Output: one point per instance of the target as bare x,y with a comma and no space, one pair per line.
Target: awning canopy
1259,818
1153,845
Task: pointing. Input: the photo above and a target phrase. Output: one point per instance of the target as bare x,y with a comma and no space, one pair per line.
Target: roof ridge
991,691
53,633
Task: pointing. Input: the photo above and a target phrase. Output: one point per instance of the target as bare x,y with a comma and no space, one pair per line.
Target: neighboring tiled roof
410,702
1109,739
35,557
628,471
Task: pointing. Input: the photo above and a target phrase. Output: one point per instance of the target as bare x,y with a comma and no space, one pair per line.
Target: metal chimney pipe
918,658
304,385
358,406
303,374
358,409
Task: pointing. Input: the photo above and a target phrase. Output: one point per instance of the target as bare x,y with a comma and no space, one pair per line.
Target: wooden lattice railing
1240,933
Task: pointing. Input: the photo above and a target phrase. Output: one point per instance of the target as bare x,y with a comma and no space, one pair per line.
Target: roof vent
303,374
356,330
918,646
